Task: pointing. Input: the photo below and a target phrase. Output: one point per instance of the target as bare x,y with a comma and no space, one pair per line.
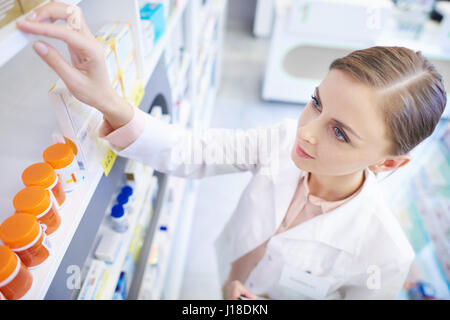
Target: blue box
155,13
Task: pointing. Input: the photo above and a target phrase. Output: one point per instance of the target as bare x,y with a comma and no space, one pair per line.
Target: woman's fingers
53,58
246,293
238,290
57,31
53,11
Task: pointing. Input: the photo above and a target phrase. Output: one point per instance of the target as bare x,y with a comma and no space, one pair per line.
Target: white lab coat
356,251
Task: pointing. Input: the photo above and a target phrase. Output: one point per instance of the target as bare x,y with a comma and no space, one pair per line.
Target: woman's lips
301,153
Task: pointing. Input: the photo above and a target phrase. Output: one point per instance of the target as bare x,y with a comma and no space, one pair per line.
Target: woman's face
340,128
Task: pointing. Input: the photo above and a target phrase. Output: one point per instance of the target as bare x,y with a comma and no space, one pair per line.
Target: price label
138,93
108,161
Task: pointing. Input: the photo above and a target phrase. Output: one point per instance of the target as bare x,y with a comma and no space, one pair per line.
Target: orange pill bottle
42,174
15,278
60,156
37,201
23,234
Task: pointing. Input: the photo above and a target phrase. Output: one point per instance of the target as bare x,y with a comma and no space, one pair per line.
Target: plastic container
122,199
119,219
38,202
127,190
15,278
60,156
23,234
42,174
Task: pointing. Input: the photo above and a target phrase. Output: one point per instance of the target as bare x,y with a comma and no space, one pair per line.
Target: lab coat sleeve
189,153
378,283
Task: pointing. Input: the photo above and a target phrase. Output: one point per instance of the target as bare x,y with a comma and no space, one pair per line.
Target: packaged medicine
37,201
104,32
110,61
155,14
121,41
129,76
23,234
42,174
9,11
108,246
149,36
28,5
15,278
60,156
118,87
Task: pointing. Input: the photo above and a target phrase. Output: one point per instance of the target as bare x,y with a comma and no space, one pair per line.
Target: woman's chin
298,161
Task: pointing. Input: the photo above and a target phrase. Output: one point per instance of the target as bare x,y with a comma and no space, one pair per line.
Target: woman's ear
391,163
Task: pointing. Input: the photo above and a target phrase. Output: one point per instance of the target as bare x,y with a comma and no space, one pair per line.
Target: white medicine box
129,76
121,41
110,59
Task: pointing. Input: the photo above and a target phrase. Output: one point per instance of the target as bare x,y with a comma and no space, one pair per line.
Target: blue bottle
119,220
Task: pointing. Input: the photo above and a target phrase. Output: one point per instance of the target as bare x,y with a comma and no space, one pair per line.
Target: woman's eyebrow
337,121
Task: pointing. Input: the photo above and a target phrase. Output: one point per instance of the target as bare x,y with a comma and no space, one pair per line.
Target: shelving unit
421,206
138,217
28,103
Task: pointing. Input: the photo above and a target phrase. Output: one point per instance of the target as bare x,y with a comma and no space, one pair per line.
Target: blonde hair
411,92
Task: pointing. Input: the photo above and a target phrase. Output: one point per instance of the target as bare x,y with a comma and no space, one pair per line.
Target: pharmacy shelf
134,218
174,277
44,124
179,84
12,40
78,200
157,51
167,247
154,275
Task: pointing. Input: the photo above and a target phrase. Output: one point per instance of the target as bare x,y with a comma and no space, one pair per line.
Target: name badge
304,283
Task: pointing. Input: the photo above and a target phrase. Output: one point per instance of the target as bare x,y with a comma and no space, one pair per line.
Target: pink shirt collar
325,205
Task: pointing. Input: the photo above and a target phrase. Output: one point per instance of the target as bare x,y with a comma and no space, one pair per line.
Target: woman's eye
315,102
339,134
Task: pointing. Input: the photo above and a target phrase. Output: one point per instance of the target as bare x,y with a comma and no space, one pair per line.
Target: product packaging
155,13
79,125
121,41
10,10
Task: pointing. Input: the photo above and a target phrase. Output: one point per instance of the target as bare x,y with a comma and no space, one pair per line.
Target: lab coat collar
342,228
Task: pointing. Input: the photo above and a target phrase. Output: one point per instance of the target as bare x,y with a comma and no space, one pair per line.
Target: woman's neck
335,188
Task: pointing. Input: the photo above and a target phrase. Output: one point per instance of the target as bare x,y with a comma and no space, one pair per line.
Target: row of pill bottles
37,215
119,212
26,247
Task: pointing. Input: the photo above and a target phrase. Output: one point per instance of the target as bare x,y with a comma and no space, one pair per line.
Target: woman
311,222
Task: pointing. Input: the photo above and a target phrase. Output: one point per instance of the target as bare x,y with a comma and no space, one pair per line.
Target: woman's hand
87,77
233,290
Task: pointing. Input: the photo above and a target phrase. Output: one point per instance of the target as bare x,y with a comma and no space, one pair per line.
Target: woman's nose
306,133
